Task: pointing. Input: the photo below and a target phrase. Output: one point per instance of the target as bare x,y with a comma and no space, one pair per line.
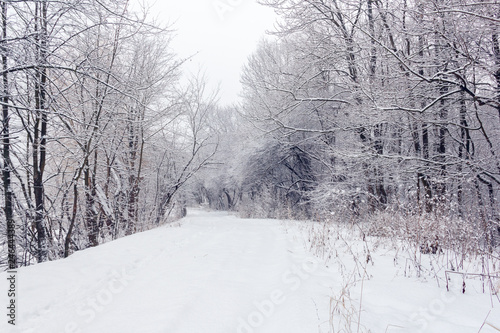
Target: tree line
100,131
381,112
373,110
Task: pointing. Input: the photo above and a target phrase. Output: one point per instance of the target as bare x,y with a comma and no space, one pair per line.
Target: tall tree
40,124
7,163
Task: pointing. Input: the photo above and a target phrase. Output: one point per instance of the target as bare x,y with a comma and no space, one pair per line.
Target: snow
214,272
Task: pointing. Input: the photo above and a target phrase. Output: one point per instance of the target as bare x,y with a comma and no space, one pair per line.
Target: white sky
222,34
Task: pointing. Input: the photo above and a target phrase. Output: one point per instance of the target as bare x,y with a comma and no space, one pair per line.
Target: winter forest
385,112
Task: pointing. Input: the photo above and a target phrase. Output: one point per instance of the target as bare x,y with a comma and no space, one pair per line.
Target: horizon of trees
99,132
373,110
385,113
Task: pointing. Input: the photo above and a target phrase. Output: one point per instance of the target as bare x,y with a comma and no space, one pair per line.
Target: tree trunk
40,129
90,210
7,165
464,150
67,240
496,53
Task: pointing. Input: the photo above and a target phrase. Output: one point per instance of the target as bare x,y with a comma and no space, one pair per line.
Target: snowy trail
216,273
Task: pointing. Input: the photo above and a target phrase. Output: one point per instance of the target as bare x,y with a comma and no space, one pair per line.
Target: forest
380,112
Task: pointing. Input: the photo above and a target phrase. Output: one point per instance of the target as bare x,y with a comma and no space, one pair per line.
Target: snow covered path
216,273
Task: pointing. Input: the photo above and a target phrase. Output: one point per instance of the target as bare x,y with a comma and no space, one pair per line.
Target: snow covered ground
216,273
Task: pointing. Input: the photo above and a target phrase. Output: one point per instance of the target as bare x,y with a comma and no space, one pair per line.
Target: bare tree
7,164
393,103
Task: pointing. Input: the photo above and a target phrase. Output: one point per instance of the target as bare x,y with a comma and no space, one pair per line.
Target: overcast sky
220,33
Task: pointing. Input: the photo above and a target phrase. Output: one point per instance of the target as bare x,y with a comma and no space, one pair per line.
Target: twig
484,322
361,301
